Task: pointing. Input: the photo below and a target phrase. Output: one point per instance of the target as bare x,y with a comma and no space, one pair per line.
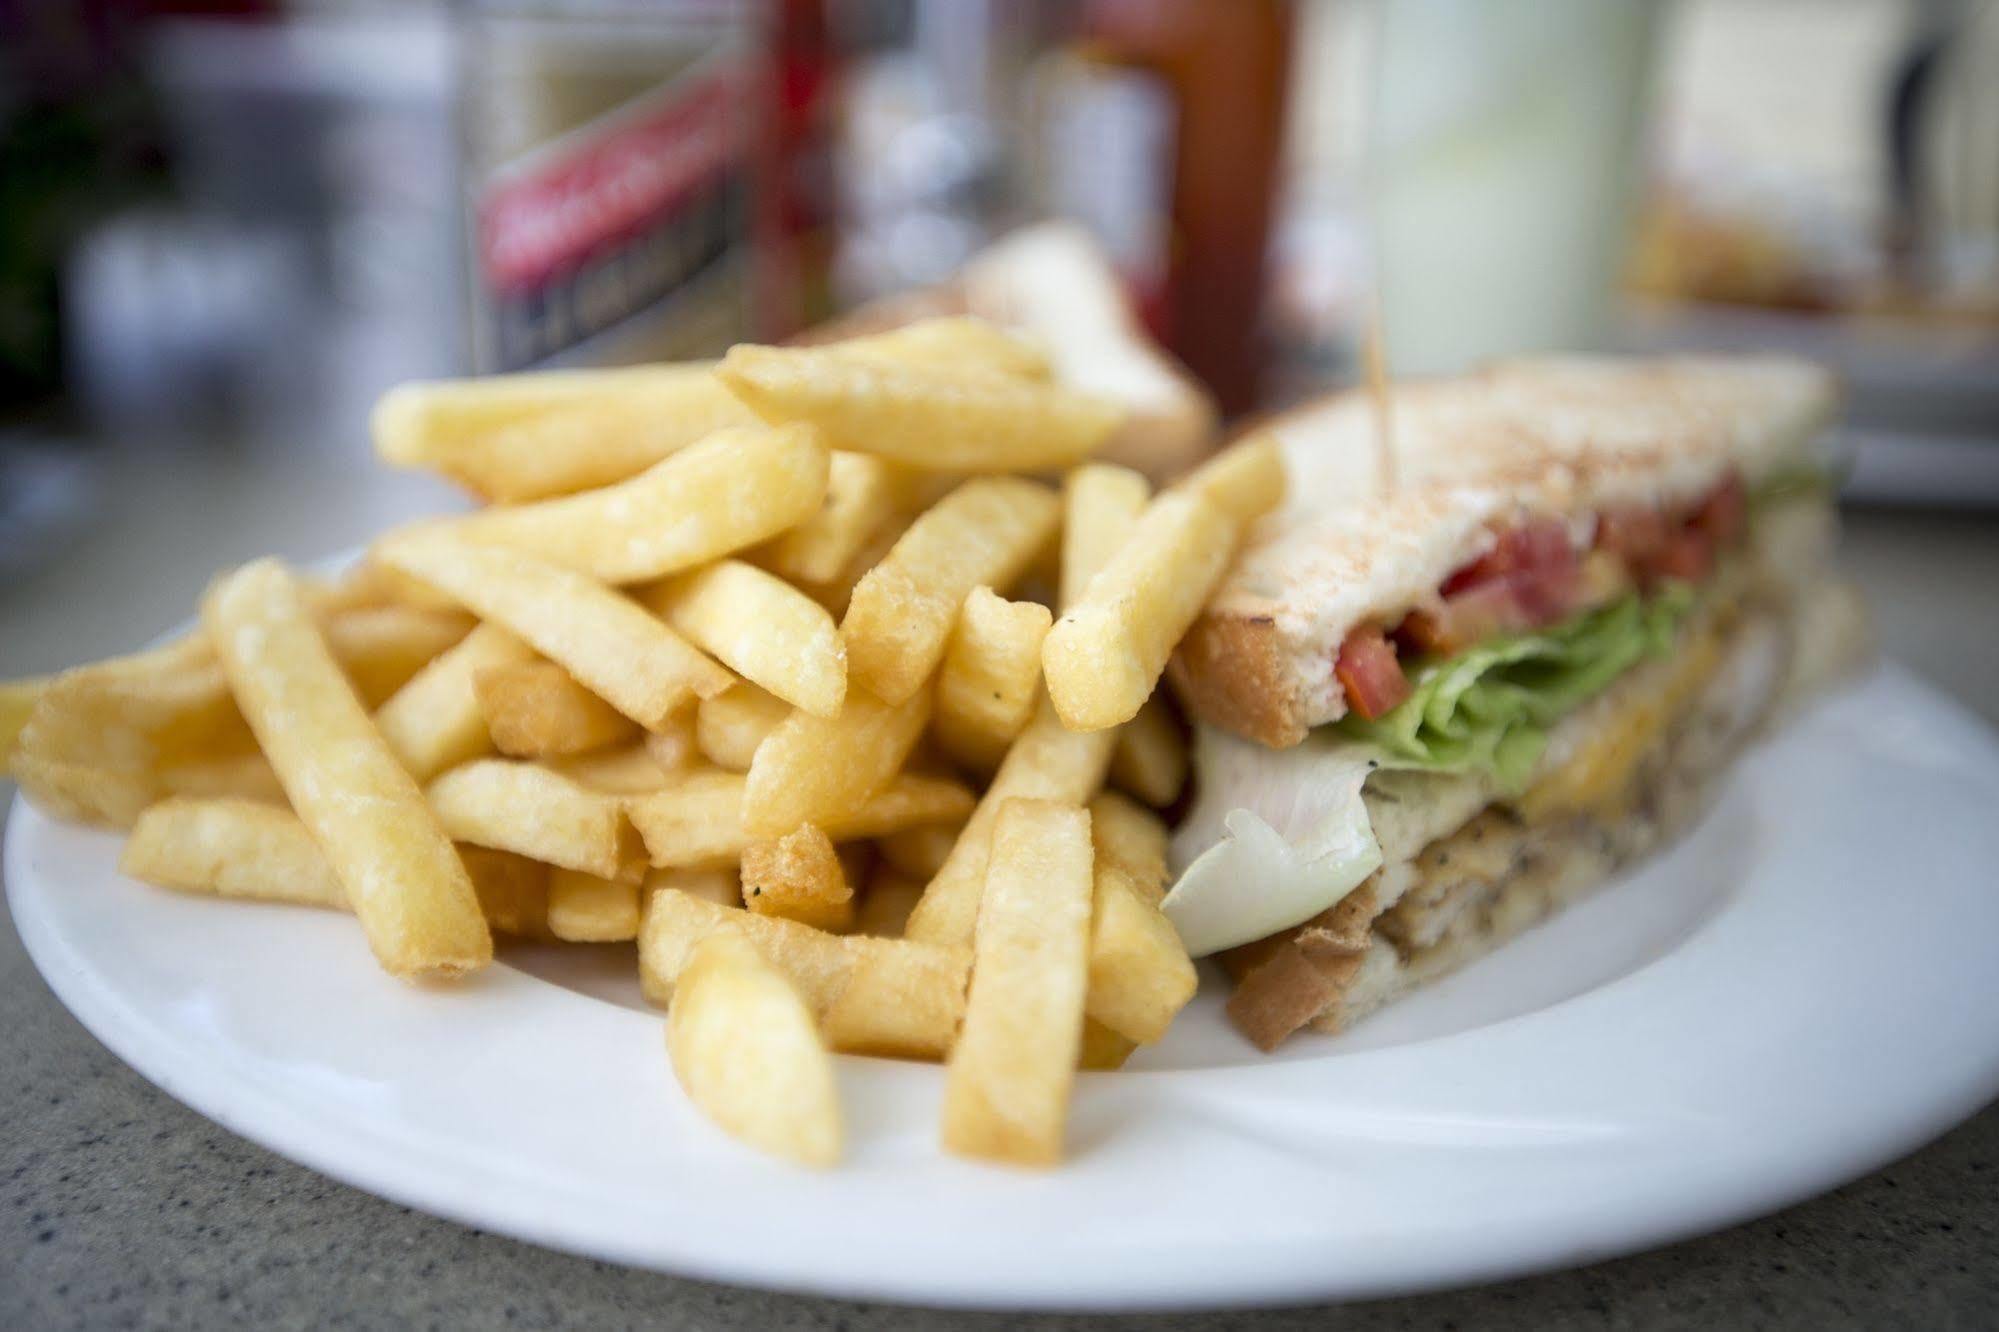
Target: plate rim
265,1117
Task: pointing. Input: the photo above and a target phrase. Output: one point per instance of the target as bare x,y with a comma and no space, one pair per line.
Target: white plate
1799,992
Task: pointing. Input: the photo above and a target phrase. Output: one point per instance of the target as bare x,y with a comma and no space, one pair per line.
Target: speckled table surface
120,1208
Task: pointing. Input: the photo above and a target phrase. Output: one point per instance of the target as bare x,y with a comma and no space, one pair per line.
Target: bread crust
1231,671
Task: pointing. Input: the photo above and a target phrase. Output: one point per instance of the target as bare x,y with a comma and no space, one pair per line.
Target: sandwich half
1449,688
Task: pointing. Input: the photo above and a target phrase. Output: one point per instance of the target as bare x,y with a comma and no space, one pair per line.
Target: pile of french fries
757,663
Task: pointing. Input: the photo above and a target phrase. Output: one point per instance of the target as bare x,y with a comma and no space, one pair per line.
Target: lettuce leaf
1490,707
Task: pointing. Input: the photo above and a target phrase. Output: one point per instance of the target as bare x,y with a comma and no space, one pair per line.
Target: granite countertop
118,1207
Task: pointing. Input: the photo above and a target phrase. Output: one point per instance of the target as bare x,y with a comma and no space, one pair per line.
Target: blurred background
226,227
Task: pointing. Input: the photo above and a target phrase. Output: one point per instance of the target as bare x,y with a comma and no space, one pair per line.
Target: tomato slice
1724,512
1688,556
1634,532
1368,670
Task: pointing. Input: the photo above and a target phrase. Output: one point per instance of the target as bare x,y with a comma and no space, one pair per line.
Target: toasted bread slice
1562,437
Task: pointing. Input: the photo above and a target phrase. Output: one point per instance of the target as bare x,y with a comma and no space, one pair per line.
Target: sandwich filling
1481,697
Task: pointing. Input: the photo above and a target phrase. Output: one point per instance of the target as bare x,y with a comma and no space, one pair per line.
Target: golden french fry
762,628
955,343
249,849
919,852
513,890
697,821
608,642
526,437
242,776
404,879
1103,1049
872,996
434,721
746,1051
1245,480
1133,838
381,648
886,903
17,700
729,727
1150,760
672,742
837,592
820,770
586,908
899,619
231,848
1140,974
631,770
990,677
1048,762
719,885
535,709
1100,505
533,811
798,876
862,494
1106,653
734,489
924,416
1007,1082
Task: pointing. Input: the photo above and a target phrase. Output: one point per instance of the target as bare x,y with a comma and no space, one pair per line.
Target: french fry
1106,653
762,628
382,647
249,849
1103,1049
1133,838
746,1051
672,742
837,592
532,811
608,642
799,877
527,437
819,770
697,822
241,776
17,700
919,852
990,677
535,709
872,996
435,721
899,619
513,890
404,879
863,495
734,489
886,903
1047,762
1140,976
1100,505
1245,480
922,416
631,770
1007,1083
955,343
1150,760
585,908
231,848
729,727
719,885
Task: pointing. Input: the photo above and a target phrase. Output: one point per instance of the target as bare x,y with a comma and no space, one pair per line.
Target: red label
606,188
